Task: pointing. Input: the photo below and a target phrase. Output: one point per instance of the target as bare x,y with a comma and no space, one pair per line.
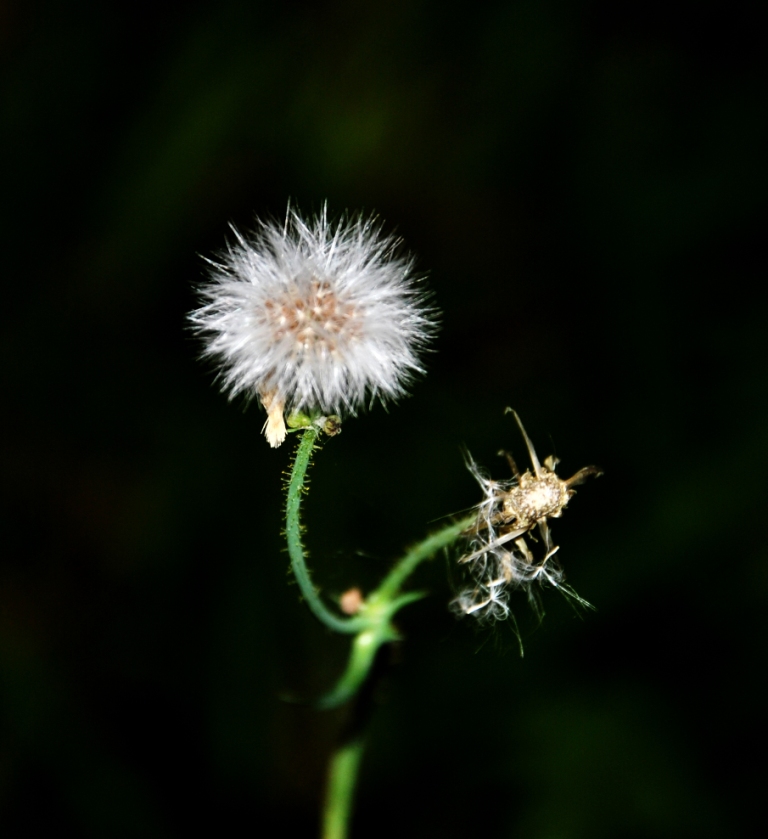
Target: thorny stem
293,537
390,587
373,626
342,778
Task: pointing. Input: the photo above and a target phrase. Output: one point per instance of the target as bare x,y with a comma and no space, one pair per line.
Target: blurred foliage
584,182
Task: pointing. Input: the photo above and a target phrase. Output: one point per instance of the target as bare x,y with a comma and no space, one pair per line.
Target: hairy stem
392,582
293,537
424,550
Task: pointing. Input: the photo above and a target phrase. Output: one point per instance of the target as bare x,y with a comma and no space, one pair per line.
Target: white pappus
314,316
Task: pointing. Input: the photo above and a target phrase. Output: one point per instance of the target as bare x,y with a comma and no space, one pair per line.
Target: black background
583,183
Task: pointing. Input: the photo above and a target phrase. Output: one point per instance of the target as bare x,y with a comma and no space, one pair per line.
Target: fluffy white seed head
312,315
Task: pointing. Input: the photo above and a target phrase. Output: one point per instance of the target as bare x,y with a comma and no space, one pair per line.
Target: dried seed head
314,316
501,548
536,497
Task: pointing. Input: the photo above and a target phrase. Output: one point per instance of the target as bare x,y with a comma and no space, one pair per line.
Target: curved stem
293,537
392,583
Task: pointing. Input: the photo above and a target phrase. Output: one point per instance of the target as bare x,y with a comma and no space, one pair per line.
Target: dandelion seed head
314,315
510,545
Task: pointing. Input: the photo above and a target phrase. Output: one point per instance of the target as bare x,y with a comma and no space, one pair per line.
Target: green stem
293,538
424,550
342,778
382,605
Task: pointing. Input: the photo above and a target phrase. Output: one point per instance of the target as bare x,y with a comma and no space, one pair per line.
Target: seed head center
536,498
313,316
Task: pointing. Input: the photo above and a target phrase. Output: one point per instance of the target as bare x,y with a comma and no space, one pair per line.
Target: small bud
351,601
332,425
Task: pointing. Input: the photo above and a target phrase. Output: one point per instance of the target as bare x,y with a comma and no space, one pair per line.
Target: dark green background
583,183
